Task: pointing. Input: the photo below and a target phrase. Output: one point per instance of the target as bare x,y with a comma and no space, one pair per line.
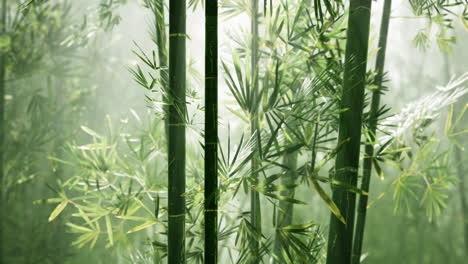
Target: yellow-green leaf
297,228
142,226
144,207
134,218
57,210
330,204
80,228
84,239
90,132
459,133
448,123
109,230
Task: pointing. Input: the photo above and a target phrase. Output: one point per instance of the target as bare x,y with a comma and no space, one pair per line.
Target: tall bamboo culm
2,125
347,161
161,42
256,217
176,131
211,132
284,215
160,39
369,149
463,200
460,170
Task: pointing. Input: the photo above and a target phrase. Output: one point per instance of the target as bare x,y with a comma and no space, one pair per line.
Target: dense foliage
234,131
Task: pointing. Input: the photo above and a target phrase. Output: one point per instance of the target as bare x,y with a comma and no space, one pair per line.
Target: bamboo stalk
161,42
2,127
254,195
177,113
347,161
285,209
211,132
463,200
369,149
460,171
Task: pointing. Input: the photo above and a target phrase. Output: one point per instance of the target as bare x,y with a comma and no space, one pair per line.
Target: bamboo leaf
344,185
58,210
238,114
142,226
144,207
79,228
459,133
298,228
378,169
109,230
448,122
284,198
83,239
90,132
330,204
50,200
134,218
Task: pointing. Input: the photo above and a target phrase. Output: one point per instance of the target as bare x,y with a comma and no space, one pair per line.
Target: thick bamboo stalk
255,208
211,132
347,161
177,113
369,149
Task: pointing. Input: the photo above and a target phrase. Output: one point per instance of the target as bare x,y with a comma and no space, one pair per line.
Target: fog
86,124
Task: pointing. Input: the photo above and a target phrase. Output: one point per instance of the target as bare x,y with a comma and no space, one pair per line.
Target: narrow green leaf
448,122
142,226
109,230
90,132
298,228
331,205
79,228
57,210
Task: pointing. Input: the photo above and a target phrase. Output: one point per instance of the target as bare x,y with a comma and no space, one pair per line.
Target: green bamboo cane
211,132
463,200
2,125
254,125
161,41
285,209
369,149
177,113
461,176
347,161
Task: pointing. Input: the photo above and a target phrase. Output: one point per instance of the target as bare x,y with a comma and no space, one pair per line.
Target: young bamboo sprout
369,149
347,161
177,114
211,132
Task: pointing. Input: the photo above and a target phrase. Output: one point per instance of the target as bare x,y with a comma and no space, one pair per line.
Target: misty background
112,92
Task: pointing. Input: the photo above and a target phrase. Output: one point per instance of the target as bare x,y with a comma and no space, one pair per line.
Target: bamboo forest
233,131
